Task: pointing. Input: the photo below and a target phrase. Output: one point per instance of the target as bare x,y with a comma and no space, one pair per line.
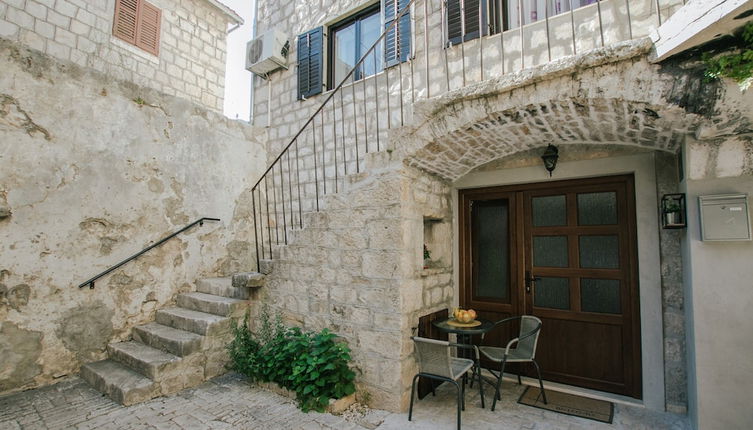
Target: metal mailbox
724,217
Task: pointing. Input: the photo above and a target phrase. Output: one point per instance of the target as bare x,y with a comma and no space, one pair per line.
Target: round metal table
465,334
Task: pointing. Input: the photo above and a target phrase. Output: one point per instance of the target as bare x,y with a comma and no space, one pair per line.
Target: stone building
176,47
110,140
432,139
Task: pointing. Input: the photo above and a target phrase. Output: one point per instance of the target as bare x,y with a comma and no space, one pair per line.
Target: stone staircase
184,346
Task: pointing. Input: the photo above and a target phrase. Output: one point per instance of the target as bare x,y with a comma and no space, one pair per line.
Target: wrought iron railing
354,117
90,281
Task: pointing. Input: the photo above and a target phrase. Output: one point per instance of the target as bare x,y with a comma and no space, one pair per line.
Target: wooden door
489,261
573,264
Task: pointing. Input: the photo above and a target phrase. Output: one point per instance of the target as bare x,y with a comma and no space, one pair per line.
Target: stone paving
231,402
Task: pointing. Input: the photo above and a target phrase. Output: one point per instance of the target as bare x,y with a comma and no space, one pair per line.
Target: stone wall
191,61
93,170
357,268
357,119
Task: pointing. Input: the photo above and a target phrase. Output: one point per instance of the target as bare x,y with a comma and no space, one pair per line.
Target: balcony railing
353,119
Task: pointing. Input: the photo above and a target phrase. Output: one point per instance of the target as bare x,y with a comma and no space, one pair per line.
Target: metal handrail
90,282
333,92
310,121
283,189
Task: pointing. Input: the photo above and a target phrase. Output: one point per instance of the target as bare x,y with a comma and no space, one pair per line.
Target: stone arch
568,121
608,97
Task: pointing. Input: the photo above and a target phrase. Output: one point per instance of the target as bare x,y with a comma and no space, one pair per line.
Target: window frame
357,17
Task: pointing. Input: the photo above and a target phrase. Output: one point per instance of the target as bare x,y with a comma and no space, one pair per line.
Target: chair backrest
527,347
433,356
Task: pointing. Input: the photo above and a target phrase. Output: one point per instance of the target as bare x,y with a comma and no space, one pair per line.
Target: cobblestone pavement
230,402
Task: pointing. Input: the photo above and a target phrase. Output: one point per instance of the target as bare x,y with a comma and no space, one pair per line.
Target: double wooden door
566,253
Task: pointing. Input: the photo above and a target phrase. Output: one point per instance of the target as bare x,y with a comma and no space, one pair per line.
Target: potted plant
427,257
672,212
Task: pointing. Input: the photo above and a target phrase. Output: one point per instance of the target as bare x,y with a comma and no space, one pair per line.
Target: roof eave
231,14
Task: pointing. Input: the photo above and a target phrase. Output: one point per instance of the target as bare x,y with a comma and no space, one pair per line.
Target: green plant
671,206
737,66
139,101
320,369
313,365
427,253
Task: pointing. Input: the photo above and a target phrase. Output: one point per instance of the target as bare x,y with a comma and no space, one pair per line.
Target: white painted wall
718,278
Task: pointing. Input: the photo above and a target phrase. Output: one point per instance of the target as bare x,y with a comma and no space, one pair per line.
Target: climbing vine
737,66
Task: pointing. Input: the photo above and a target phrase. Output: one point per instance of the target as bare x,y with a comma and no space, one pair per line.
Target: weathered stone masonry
93,170
191,61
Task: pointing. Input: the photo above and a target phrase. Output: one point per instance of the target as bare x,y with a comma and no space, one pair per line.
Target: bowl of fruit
464,317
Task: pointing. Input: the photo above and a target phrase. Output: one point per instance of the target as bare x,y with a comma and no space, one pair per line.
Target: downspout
253,36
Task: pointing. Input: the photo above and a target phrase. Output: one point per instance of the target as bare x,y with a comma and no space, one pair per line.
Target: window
138,23
348,41
463,16
463,20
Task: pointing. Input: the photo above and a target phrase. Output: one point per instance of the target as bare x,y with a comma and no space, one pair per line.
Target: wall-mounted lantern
550,157
673,214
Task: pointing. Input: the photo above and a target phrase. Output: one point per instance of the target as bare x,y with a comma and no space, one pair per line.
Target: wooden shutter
470,17
397,42
147,35
126,17
310,63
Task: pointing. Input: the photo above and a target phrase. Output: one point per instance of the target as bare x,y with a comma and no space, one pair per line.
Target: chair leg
462,389
480,385
412,395
541,383
460,401
497,395
520,370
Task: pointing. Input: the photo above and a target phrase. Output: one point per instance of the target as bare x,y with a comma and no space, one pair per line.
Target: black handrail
294,141
90,282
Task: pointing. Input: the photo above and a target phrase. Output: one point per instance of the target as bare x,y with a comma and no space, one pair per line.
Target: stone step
120,383
379,160
142,358
194,321
221,287
266,266
173,340
211,304
250,279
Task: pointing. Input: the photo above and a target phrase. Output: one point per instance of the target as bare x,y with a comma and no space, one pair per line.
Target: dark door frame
519,303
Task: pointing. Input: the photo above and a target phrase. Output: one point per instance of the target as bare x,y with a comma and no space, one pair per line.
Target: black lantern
673,211
550,157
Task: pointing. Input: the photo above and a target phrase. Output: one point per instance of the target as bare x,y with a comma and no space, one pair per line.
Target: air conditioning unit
267,53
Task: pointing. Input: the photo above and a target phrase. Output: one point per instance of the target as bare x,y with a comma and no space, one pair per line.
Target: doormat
569,404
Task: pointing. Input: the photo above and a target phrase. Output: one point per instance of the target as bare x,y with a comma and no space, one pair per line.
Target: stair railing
90,281
309,128
334,139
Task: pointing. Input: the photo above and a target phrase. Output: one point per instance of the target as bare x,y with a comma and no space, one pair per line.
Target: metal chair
524,350
436,362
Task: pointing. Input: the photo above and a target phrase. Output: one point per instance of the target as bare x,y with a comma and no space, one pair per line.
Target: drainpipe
253,36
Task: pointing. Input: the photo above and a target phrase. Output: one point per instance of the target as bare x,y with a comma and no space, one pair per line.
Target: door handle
530,280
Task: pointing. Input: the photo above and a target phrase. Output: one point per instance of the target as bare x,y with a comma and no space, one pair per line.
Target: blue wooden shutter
397,41
454,27
310,63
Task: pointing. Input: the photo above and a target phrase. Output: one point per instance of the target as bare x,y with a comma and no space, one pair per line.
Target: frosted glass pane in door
549,211
550,251
600,295
599,252
491,258
552,292
597,208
